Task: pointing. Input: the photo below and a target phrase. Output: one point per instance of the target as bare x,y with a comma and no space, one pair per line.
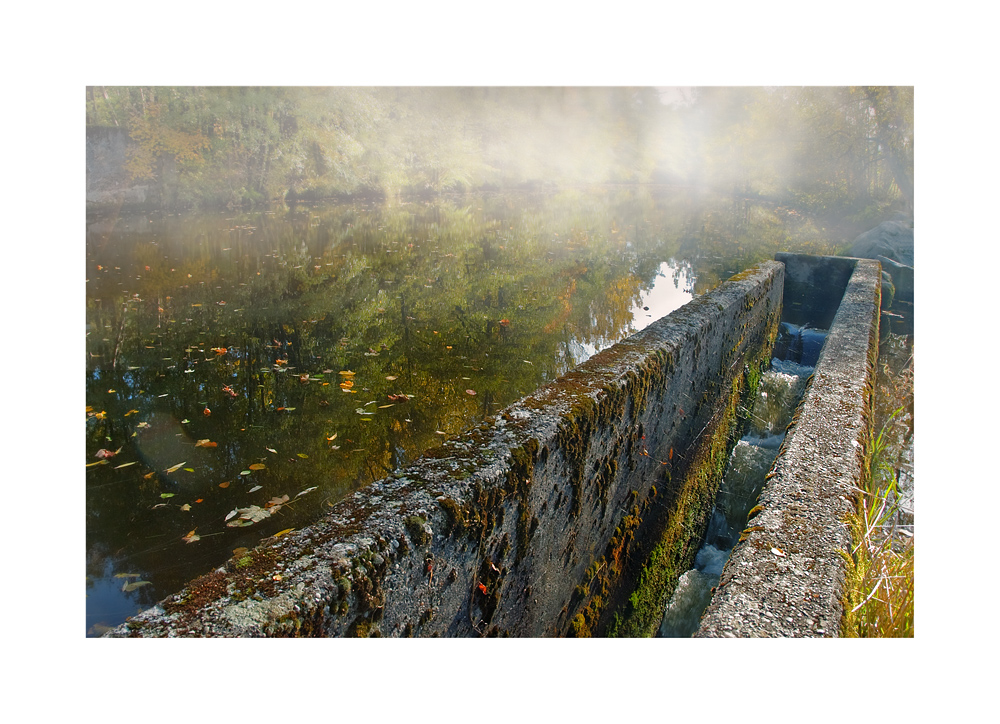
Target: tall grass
879,601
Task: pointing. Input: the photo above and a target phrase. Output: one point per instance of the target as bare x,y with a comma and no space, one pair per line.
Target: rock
891,239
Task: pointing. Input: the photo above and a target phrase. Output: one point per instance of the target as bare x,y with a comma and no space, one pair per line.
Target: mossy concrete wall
786,575
570,513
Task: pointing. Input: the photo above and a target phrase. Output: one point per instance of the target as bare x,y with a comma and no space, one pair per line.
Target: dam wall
571,513
785,578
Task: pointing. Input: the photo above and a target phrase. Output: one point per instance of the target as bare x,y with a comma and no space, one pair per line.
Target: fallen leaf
105,454
232,514
190,470
307,490
302,455
224,485
99,462
128,575
778,552
280,533
271,450
167,495
147,476
245,472
129,587
257,466
470,392
206,412
390,377
186,506
255,488
176,467
191,537
346,373
332,438
130,412
206,443
483,589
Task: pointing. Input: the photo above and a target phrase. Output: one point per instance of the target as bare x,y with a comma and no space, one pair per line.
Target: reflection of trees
443,298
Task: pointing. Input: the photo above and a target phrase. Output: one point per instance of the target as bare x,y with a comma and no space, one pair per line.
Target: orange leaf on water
256,466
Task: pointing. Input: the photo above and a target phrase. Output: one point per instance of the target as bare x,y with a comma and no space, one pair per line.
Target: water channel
781,387
245,371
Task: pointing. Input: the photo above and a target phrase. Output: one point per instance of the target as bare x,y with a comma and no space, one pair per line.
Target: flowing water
235,359
781,388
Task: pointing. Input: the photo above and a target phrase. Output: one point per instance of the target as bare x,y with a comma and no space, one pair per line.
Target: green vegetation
880,593
825,149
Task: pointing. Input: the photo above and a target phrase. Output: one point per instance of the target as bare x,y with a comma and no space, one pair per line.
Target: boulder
891,239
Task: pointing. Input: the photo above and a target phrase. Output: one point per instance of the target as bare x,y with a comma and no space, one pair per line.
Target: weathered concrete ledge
786,577
571,513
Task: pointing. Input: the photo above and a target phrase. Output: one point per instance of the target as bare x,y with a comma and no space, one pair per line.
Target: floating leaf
280,533
249,516
206,443
232,514
224,485
124,465
302,455
255,488
778,552
390,377
271,450
245,472
99,462
167,495
128,575
470,392
176,467
257,466
147,476
186,507
307,490
185,421
130,412
190,470
105,454
191,537
274,504
382,407
129,587
332,437
347,373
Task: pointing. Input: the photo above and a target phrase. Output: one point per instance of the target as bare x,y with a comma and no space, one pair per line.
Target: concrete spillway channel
574,511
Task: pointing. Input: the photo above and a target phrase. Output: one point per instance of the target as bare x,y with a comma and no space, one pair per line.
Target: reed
879,598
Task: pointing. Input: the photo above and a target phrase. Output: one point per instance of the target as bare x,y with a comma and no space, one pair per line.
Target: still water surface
235,359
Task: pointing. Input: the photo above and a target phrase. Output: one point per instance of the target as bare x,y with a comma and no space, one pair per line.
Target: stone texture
785,578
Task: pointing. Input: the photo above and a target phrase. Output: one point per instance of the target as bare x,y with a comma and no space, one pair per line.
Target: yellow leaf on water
176,467
129,587
282,532
99,462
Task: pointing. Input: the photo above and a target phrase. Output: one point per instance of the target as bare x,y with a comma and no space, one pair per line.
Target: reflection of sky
664,296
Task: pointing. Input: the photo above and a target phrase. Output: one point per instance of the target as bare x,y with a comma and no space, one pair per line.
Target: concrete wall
571,513
786,576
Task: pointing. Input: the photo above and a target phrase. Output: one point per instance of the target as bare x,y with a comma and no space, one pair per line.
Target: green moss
415,527
455,514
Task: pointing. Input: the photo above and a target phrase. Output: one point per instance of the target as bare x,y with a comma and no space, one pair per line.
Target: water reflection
236,359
